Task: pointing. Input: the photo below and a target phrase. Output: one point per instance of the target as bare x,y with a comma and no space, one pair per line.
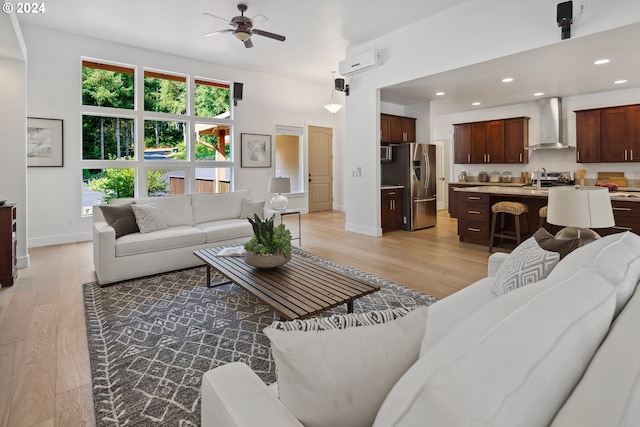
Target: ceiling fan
243,27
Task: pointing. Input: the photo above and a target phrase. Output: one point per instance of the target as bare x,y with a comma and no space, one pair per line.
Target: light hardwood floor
45,379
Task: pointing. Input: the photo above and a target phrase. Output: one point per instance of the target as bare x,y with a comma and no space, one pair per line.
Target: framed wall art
255,150
44,142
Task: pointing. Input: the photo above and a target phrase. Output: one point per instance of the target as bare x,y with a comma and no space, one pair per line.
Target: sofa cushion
511,363
339,377
217,206
249,209
528,263
121,218
149,218
226,229
548,242
609,392
615,257
171,238
176,210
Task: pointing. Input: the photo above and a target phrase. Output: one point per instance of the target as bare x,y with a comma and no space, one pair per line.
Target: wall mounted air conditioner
360,62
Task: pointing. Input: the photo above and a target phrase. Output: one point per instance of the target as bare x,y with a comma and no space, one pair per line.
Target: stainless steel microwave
385,153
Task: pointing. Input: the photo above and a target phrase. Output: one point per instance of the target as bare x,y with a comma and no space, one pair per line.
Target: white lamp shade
583,207
280,185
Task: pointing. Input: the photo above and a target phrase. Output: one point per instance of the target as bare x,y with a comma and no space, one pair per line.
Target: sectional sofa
193,221
562,351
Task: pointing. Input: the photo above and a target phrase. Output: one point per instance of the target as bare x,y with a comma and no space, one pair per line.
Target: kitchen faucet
541,169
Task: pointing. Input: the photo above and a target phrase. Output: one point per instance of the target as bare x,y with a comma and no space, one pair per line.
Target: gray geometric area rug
151,339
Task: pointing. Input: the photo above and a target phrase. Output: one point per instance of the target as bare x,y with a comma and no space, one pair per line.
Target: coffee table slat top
297,290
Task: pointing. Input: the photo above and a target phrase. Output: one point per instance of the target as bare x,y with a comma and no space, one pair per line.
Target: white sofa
195,221
564,352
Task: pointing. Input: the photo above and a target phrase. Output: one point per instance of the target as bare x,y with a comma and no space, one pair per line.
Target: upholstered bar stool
508,208
542,213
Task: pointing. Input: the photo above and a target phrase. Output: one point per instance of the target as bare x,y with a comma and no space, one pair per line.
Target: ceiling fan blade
217,17
248,43
268,34
215,33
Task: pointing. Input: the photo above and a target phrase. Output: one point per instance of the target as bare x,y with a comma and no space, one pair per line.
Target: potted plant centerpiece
270,246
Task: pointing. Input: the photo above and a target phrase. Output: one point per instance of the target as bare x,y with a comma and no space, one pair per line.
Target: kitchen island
474,210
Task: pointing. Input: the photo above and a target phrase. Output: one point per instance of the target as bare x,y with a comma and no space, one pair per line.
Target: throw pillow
149,218
548,242
250,208
121,218
337,371
528,263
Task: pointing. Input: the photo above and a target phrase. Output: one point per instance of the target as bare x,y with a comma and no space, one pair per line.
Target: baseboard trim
368,231
60,239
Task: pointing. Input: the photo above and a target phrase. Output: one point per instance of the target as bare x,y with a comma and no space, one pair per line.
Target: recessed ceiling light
619,82
475,103
538,94
602,61
439,93
507,79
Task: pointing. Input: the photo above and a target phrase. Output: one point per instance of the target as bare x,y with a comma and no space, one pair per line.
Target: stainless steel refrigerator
414,167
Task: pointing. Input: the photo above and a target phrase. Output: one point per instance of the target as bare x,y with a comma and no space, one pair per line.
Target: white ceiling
319,32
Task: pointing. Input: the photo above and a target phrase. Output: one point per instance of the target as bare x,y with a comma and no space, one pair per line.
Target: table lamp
579,209
279,185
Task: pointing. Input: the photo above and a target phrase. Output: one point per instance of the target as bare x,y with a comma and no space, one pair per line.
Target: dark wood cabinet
453,198
462,143
397,129
493,141
516,139
474,217
626,216
391,209
608,135
8,245
588,136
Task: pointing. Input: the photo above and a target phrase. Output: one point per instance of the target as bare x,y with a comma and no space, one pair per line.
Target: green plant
268,239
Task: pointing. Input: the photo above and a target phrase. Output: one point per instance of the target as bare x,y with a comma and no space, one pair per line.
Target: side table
293,212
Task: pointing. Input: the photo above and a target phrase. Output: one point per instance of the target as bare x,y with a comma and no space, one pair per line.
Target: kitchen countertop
390,187
630,195
497,184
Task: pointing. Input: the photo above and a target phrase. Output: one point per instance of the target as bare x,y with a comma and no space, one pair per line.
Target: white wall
466,34
54,91
13,122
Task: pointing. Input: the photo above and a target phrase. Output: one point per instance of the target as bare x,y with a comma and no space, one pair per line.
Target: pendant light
334,107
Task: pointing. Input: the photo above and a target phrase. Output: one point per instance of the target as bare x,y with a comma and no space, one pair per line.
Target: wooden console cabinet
8,245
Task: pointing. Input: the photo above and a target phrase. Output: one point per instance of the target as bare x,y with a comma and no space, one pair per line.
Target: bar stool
542,213
511,208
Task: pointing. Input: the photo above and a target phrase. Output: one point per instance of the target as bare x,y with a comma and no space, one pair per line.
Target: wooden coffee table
297,290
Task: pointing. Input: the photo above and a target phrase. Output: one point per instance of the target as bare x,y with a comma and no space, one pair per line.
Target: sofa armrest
232,395
495,261
104,246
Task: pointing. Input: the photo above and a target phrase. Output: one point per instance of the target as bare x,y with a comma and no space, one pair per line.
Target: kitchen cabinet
588,136
391,209
8,245
626,216
492,141
516,138
397,129
474,218
608,135
453,198
462,143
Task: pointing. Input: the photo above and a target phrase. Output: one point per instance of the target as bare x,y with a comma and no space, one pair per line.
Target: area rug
151,339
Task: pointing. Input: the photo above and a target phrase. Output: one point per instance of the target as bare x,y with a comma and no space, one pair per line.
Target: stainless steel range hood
550,126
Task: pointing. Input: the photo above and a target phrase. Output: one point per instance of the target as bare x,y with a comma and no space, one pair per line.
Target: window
289,156
157,147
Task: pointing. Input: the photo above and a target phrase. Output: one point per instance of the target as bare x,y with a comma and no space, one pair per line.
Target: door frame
443,171
333,158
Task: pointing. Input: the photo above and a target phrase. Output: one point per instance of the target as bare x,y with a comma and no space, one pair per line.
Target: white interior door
443,161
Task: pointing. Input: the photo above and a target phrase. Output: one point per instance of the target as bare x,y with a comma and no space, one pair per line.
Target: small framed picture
255,150
44,142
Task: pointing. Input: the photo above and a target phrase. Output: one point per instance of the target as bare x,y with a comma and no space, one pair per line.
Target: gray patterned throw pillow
528,263
149,218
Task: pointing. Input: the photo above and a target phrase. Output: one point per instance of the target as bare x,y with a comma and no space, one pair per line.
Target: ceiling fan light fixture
242,35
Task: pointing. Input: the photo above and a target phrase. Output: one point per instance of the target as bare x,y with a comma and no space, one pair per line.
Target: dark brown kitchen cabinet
453,198
462,143
474,214
626,216
492,141
608,135
391,209
516,138
588,136
397,129
8,245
